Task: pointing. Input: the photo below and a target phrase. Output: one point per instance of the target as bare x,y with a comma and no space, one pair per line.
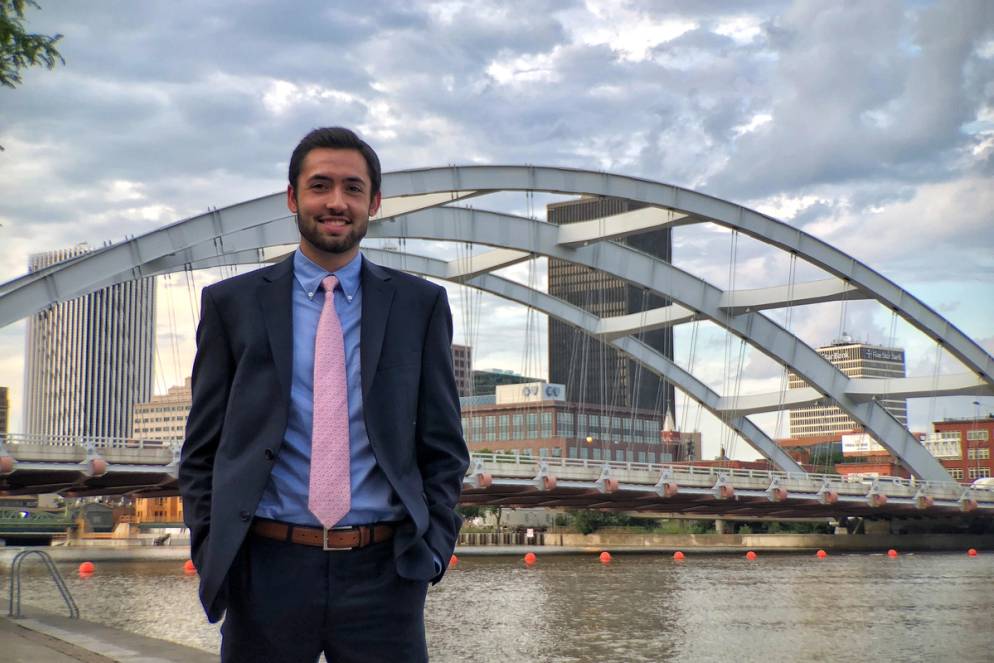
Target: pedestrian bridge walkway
145,468
521,480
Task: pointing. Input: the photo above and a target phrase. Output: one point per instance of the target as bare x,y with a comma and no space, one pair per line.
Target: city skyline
867,126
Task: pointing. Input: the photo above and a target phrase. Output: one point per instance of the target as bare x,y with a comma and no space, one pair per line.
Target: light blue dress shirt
285,496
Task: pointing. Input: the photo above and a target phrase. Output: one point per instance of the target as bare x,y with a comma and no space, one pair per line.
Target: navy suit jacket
241,395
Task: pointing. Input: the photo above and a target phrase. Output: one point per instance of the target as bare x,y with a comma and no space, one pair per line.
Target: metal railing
86,442
14,609
708,471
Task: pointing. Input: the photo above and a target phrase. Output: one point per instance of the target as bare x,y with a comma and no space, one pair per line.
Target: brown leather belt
337,538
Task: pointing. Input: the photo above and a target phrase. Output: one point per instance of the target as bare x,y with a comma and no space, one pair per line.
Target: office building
485,383
535,419
88,360
4,411
162,417
462,365
855,360
592,371
964,447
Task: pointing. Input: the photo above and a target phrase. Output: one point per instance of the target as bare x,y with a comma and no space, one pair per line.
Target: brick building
535,419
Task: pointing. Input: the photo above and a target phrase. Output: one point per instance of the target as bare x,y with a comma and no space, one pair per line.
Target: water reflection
639,608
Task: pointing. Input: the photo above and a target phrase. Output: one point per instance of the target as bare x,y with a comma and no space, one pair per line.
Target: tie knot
329,282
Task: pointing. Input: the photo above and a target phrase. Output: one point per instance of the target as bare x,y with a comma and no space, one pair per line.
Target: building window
532,425
518,427
564,424
504,422
546,425
652,456
978,454
955,473
571,452
597,454
491,428
980,472
977,435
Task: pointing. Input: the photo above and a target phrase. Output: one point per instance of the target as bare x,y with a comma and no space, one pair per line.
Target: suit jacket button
269,454
245,515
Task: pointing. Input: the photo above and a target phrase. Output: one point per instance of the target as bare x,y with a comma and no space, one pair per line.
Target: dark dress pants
289,602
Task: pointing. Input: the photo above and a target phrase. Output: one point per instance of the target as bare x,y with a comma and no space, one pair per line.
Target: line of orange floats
605,557
87,569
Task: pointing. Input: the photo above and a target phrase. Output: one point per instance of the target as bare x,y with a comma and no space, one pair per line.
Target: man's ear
291,199
374,204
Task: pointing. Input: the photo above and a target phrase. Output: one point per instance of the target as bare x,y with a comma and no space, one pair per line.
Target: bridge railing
85,442
714,471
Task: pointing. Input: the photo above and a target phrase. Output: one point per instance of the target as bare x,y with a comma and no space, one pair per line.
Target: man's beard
328,243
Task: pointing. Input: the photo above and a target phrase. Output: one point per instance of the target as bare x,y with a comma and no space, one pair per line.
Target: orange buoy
750,555
972,552
530,558
678,556
453,561
821,554
189,567
86,568
892,553
605,557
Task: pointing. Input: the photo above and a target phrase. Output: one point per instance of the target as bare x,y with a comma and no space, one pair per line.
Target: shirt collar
309,275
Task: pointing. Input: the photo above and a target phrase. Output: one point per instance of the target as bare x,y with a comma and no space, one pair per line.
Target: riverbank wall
571,543
622,541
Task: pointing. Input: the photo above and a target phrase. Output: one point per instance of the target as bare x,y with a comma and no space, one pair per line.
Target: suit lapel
377,295
276,300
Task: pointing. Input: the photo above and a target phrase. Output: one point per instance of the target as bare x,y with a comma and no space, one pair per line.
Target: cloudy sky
867,124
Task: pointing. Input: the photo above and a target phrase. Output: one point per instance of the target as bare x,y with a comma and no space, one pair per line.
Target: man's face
333,204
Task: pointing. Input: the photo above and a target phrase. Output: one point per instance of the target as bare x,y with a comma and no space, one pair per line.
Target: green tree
20,49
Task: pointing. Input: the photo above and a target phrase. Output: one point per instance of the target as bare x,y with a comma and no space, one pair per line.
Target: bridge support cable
778,431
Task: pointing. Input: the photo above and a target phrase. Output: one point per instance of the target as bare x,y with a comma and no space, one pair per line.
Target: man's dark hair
336,138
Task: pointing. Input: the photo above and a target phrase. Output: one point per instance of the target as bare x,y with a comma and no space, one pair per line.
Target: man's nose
335,200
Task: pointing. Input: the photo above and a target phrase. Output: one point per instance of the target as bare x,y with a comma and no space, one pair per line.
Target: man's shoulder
404,281
242,283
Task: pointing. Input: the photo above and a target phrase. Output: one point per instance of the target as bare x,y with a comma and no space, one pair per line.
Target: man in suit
303,550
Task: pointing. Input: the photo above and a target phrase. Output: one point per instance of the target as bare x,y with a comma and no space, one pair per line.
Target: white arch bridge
430,204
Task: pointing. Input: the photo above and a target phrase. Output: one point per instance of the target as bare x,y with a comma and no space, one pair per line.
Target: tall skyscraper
4,411
592,371
89,360
856,360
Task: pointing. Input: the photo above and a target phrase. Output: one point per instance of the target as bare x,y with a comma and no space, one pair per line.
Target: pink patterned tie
329,495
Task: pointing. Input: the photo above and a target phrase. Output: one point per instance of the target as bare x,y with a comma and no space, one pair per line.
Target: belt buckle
324,538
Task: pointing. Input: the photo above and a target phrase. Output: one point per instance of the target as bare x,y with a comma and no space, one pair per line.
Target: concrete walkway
53,639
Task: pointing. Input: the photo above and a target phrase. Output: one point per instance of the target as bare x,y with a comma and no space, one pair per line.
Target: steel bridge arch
224,231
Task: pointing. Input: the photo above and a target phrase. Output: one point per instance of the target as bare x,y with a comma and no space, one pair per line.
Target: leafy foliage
20,49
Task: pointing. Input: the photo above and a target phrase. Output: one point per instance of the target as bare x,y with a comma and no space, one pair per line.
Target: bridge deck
149,470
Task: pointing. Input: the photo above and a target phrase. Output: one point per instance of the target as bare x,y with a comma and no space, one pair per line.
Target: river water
918,607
